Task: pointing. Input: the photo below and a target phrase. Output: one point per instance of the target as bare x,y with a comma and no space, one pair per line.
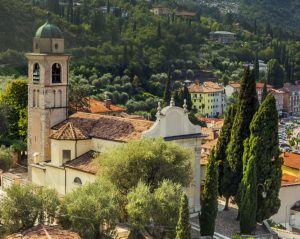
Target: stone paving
226,223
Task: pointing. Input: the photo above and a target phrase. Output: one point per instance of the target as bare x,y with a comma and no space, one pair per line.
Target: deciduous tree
147,160
89,207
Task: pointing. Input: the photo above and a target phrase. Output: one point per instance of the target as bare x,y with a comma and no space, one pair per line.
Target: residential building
160,11
278,94
231,88
186,15
288,213
62,148
208,98
279,97
292,97
223,37
259,89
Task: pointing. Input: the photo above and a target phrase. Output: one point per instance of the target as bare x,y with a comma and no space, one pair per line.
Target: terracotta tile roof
211,133
288,179
84,163
44,232
277,91
210,144
69,132
235,85
96,106
291,160
206,87
260,85
107,127
186,13
210,120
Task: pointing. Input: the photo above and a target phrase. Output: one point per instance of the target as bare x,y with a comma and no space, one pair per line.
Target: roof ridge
73,130
63,129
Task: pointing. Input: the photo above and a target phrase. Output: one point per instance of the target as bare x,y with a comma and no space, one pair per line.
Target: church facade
62,148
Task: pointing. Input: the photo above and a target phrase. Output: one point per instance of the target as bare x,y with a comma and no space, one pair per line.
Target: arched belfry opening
56,73
36,73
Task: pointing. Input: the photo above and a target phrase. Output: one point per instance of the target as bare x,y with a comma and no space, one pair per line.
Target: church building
61,148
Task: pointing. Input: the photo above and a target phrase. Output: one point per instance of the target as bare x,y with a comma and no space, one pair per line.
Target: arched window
56,73
36,73
77,181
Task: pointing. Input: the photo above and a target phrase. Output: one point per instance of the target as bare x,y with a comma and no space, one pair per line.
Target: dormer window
36,73
56,73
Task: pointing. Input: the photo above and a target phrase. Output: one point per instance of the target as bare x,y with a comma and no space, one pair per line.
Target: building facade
208,98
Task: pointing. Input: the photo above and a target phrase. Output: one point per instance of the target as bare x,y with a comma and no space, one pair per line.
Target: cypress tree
246,108
167,92
256,67
183,228
264,147
187,96
209,204
248,191
223,140
264,92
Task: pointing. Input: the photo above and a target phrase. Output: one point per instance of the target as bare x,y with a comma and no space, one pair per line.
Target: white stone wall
288,195
72,174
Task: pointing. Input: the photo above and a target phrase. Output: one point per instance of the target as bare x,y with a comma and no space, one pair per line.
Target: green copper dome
48,30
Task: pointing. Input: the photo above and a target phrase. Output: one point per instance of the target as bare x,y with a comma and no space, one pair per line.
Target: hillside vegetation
122,51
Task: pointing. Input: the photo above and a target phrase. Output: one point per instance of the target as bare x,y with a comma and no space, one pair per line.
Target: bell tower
48,68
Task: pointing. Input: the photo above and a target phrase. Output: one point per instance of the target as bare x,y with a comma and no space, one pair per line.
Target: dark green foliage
264,92
25,205
248,190
264,148
275,74
209,202
6,161
14,102
183,228
256,67
246,108
223,141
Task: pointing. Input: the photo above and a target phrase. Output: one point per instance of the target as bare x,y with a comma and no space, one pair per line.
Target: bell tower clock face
36,74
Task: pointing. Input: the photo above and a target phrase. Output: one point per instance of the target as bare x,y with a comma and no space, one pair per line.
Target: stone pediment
172,121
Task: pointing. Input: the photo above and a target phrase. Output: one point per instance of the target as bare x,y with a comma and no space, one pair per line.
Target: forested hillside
123,51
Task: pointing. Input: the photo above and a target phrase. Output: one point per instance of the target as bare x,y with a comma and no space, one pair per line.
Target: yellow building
62,148
208,98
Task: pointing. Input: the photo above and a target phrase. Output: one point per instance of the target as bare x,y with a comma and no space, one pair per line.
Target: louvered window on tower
56,73
36,73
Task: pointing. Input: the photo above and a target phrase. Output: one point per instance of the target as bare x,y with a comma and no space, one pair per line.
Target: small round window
77,181
56,46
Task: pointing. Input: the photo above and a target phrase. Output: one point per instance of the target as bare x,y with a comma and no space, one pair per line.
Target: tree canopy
147,160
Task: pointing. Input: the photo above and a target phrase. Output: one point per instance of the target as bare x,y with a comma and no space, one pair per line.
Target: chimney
107,103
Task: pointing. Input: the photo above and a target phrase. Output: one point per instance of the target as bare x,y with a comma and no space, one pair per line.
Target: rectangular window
66,155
